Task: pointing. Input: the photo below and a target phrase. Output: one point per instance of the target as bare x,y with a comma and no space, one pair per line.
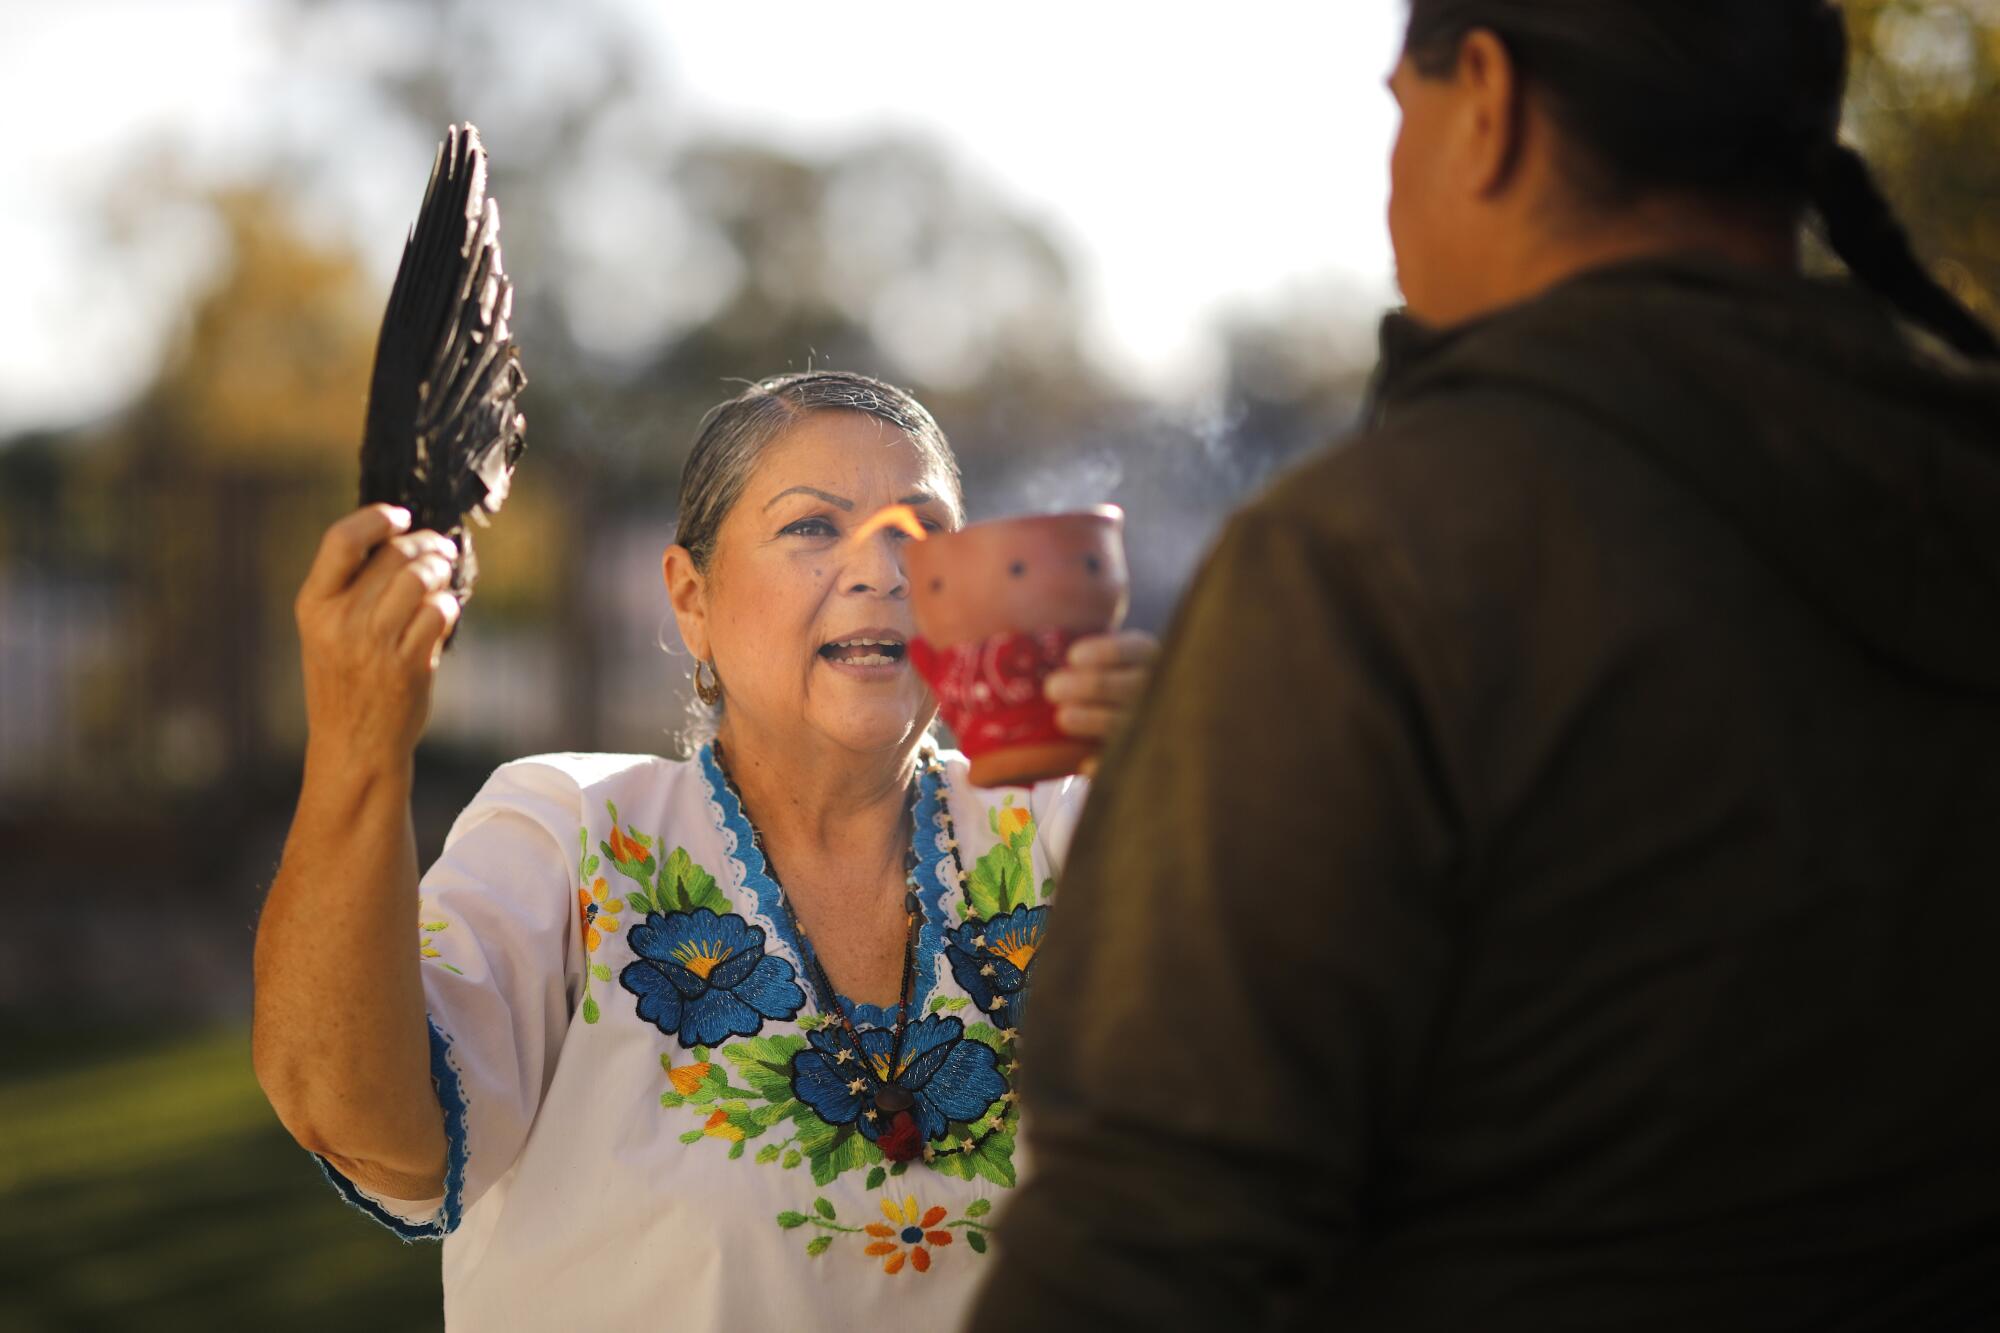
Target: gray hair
734,435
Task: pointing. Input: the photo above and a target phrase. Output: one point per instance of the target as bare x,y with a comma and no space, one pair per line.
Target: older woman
723,1042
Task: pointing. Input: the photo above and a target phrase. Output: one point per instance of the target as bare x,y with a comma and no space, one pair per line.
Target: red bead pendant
902,1140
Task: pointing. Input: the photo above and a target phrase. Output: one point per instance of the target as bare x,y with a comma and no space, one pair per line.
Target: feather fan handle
443,431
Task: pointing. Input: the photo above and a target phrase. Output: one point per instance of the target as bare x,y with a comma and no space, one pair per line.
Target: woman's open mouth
874,649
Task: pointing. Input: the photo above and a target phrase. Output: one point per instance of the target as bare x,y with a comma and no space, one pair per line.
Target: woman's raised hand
1100,682
373,614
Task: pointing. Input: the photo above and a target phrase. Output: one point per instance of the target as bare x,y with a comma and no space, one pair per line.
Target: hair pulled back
734,434
1735,99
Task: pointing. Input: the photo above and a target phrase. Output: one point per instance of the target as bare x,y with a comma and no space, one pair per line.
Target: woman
1618,944
626,1074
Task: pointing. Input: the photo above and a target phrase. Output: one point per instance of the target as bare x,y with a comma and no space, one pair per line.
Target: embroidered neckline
754,872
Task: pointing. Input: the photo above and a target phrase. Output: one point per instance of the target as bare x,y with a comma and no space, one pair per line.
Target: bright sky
1193,158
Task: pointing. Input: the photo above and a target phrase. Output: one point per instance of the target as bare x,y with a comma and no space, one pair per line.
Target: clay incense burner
997,605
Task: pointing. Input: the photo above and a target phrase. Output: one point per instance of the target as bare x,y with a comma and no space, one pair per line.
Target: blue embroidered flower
991,960
948,1075
704,977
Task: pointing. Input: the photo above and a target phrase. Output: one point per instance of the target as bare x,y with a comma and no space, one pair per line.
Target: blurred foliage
146,1186
1924,104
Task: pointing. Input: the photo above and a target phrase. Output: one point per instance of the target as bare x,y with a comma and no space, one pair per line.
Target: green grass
152,1188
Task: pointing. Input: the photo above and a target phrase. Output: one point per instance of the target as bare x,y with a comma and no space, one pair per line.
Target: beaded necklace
901,1139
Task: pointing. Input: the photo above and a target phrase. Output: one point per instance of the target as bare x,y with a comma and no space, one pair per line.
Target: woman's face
806,626
1422,227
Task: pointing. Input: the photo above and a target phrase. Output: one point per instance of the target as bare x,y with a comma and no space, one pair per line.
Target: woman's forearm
340,1040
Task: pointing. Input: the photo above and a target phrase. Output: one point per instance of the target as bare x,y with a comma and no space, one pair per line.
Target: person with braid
1550,880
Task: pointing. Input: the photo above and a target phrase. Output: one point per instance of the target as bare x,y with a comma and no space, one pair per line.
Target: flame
889,516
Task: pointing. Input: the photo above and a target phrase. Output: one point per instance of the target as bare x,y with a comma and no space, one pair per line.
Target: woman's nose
878,567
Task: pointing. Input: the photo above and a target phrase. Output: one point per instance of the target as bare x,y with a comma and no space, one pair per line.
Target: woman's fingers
423,638
347,546
1100,682
408,587
399,574
1113,685
1130,647
1090,722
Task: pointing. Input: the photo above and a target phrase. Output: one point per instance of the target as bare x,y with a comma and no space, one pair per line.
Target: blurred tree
1925,106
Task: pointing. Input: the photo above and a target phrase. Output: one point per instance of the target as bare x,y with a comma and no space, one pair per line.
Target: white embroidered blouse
650,1121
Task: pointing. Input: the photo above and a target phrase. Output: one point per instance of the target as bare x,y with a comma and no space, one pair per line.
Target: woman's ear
687,593
1490,104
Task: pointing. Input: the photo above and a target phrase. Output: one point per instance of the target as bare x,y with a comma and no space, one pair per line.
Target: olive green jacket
1553,881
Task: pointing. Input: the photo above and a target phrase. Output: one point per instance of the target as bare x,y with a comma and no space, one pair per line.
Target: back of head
1734,100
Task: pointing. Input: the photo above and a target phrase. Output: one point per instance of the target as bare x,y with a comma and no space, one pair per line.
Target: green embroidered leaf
812,1022
1048,888
767,1154
699,1053
816,1137
612,806
692,1136
960,906
875,1178
791,1159
600,971
987,1034
645,840
766,1058
671,1099
639,902
951,1002
899,1168
957,1164
986,886
974,1239
736,1150
589,866
790,1220
685,886
994,1159
775,1113
979,1208
847,1151
590,1010
823,1208
817,1245
582,840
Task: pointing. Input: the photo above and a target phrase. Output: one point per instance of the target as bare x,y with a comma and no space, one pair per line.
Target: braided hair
1735,99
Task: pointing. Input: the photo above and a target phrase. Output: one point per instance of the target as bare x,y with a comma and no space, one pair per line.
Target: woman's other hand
1100,682
372,615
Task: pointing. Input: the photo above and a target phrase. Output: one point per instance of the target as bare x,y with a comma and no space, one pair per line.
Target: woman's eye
810,527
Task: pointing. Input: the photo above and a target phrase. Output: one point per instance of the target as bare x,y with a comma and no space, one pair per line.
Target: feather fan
443,432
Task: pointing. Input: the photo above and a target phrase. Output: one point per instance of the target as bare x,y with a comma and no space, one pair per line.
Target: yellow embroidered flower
687,1079
1010,819
599,911
426,947
718,1127
905,1229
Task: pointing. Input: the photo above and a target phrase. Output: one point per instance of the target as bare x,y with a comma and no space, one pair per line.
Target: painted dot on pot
1018,568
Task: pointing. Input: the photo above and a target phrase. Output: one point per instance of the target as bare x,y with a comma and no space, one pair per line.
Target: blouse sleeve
501,970
1056,806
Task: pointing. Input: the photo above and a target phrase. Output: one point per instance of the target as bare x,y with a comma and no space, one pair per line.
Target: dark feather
443,431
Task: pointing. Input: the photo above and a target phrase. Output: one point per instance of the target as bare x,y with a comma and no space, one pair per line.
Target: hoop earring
710,690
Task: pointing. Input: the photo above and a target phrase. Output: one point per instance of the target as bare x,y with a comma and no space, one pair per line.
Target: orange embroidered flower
905,1238
599,911
1010,819
625,847
687,1079
718,1127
